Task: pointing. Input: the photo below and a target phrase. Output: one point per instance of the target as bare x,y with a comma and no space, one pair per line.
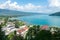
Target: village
22,29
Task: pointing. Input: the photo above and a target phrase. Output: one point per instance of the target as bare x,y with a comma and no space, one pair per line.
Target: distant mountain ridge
6,12
55,14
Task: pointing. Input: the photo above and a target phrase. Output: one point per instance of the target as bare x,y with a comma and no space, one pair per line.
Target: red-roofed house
45,27
22,31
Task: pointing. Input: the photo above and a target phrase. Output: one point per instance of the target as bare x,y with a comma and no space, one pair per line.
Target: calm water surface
41,20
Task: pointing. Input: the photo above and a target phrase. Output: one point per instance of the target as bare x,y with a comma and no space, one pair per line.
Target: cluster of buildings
51,29
22,30
10,27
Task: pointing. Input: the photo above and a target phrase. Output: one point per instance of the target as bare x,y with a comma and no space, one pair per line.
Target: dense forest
55,14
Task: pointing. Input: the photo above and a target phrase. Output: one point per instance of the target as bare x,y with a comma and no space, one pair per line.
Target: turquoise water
41,20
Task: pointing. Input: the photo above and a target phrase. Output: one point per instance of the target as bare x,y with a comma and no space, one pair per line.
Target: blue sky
36,2
41,6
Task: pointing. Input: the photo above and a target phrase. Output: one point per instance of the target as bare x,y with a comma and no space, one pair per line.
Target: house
31,26
10,24
53,30
45,27
22,31
2,21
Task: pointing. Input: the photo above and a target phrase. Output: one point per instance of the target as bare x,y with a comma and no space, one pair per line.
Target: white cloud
54,3
15,6
9,5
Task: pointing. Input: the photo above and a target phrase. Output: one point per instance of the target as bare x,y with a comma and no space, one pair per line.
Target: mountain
55,14
5,12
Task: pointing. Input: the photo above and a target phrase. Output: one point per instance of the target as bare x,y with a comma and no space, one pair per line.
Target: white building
53,30
1,21
10,27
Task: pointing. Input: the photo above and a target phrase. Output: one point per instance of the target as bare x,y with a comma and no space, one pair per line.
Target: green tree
17,37
56,36
31,34
16,24
5,20
43,35
2,34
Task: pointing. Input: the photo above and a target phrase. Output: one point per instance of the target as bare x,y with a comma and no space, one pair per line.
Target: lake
41,20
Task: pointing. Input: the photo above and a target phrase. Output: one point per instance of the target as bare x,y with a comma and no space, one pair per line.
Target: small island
55,14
